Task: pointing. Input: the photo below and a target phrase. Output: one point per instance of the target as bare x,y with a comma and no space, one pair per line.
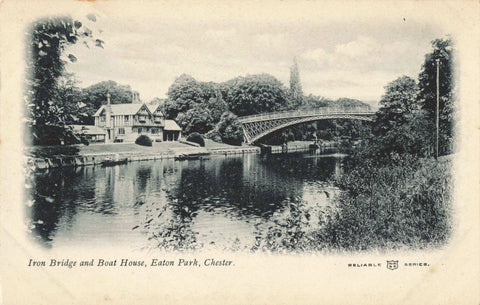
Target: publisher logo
392,265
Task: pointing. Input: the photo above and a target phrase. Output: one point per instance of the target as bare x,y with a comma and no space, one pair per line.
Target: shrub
196,138
143,140
230,129
402,203
214,136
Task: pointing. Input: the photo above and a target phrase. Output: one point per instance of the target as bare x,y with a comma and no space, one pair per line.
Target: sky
339,59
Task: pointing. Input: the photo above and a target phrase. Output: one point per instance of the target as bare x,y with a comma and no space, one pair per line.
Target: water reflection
172,204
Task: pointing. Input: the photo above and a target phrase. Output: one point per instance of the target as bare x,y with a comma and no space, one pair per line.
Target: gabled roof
153,108
171,125
122,109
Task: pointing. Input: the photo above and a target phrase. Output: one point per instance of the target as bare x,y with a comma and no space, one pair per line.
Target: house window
125,118
139,130
102,119
121,130
154,130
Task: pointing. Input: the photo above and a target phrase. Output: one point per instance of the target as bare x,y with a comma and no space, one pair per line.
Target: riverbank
403,204
43,157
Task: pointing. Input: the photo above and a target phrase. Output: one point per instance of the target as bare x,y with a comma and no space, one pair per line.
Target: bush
230,129
143,140
402,203
196,138
214,136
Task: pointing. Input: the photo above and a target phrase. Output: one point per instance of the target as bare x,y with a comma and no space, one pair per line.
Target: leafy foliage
399,100
230,129
217,107
254,94
143,140
186,90
185,93
296,92
197,119
95,96
196,106
67,97
443,51
48,38
400,125
403,203
195,137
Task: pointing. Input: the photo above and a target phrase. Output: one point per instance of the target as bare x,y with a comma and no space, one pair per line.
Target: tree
348,102
198,119
185,88
254,94
443,51
398,102
217,107
95,96
170,110
47,40
185,93
68,98
230,129
400,124
296,92
312,101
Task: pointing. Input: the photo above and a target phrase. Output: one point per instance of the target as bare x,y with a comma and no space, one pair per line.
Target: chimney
108,112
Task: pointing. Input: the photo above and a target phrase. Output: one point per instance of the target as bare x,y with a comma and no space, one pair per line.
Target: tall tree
254,94
185,88
68,98
185,93
46,62
443,51
230,129
95,96
400,124
198,119
296,92
217,106
397,104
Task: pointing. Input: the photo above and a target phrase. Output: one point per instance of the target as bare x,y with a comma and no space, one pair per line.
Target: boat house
126,122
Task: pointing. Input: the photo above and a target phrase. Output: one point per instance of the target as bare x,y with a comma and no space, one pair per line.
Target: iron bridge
259,125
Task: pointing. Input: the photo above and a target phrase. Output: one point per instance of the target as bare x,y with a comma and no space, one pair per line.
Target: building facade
126,122
92,134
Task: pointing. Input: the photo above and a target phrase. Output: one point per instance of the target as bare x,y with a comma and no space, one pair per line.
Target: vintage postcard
227,152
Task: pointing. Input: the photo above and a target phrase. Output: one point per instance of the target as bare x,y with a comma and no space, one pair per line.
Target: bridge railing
307,112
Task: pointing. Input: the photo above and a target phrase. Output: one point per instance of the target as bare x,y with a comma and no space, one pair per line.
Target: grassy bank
157,147
402,204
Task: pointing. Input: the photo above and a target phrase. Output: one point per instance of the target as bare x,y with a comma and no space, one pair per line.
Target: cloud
333,60
361,47
336,83
363,53
273,41
317,55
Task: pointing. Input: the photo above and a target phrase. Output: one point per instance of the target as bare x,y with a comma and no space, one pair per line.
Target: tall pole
437,111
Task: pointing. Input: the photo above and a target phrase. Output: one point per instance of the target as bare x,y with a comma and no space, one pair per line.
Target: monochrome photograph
172,131
254,137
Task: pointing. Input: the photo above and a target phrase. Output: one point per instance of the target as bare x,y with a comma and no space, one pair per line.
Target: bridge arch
258,126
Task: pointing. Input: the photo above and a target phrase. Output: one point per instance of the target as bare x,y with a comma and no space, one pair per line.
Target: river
222,202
